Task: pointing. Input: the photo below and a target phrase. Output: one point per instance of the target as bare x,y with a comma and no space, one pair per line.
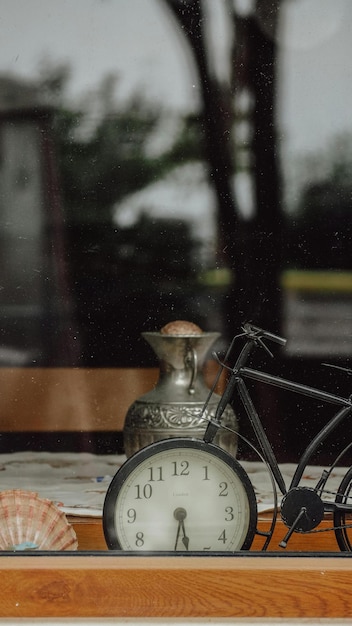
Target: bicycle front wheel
343,519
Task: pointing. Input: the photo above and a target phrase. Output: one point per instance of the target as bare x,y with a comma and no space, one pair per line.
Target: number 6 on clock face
180,494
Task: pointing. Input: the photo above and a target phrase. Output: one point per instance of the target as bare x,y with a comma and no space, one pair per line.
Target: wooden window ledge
109,585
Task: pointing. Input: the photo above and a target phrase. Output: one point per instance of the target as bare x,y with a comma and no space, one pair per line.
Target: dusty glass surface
161,164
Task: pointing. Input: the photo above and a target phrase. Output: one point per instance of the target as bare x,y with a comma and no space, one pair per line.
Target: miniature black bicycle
302,508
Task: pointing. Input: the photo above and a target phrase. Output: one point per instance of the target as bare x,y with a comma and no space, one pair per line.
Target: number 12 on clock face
180,494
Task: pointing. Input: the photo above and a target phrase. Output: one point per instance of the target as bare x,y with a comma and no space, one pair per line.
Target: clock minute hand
185,539
177,534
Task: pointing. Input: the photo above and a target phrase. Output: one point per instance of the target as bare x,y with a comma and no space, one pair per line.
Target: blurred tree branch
252,247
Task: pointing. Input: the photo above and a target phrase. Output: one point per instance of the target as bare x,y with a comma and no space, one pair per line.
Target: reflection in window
145,191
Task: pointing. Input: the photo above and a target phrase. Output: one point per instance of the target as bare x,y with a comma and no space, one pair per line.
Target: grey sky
136,39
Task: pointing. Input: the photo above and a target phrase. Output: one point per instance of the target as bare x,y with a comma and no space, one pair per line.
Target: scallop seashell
28,522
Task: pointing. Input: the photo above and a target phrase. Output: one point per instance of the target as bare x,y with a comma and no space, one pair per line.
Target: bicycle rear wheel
344,518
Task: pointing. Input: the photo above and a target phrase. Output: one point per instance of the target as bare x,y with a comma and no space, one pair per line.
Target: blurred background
177,159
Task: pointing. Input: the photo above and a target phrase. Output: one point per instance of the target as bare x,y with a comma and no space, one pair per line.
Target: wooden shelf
107,585
89,583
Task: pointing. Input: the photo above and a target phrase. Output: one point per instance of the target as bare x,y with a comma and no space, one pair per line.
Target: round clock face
180,495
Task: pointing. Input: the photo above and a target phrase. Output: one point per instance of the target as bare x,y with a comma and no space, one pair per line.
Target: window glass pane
161,165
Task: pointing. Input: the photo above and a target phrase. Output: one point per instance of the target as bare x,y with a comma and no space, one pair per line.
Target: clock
180,494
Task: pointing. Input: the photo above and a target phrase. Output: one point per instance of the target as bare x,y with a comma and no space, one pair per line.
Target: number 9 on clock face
180,494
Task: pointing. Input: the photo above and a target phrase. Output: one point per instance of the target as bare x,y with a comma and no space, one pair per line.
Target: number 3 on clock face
180,494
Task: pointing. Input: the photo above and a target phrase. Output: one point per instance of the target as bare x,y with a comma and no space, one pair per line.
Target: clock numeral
144,492
181,468
223,489
222,537
229,514
131,516
155,473
139,540
206,477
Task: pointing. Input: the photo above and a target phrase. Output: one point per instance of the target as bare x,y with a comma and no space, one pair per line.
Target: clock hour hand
180,514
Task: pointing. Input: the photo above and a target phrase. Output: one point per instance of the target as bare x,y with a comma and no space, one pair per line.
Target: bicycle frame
305,390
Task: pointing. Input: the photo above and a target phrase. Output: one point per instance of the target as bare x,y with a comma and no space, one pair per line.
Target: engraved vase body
174,407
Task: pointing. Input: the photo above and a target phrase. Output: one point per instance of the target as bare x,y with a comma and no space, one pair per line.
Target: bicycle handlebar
255,332
255,337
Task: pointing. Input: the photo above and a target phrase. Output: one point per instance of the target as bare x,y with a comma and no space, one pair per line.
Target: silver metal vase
174,407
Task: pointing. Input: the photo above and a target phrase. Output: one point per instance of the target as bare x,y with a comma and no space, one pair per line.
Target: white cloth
77,482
